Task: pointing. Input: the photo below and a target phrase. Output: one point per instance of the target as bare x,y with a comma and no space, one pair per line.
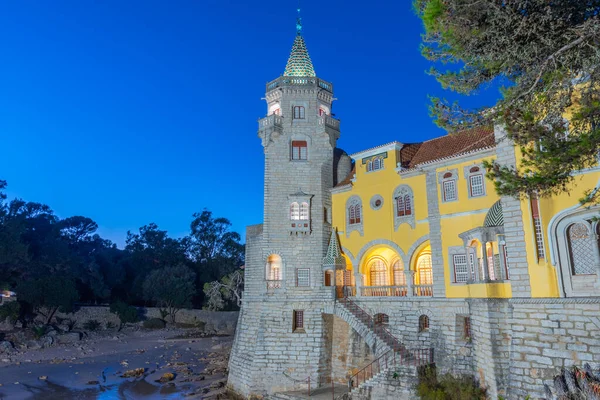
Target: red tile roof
453,145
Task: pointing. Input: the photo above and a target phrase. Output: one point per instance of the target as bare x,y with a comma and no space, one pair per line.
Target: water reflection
128,390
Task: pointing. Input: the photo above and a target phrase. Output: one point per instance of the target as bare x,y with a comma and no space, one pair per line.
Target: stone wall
224,322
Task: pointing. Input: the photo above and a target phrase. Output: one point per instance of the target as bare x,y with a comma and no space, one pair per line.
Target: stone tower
279,340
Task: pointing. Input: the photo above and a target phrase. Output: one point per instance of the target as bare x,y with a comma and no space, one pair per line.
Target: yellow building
421,219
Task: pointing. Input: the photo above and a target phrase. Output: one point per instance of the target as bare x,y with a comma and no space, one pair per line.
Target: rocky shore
136,363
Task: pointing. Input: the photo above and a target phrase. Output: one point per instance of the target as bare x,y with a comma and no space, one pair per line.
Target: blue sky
131,112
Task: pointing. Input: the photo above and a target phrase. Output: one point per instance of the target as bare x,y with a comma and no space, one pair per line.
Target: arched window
378,273
354,214
424,270
369,166
447,181
400,206
581,249
273,268
407,205
304,214
399,276
423,323
294,211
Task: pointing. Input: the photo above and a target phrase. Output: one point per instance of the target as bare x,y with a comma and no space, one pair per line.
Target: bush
39,331
154,323
91,325
10,311
109,325
448,387
127,314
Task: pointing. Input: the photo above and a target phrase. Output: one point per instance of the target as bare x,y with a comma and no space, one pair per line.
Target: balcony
299,81
330,122
273,285
397,291
270,127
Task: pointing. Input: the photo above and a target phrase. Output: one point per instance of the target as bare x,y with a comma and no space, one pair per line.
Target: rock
6,347
43,378
64,328
134,373
93,383
71,337
33,345
167,377
46,341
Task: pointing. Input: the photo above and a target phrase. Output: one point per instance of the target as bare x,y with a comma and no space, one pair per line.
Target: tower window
299,112
299,150
303,277
298,322
295,211
304,211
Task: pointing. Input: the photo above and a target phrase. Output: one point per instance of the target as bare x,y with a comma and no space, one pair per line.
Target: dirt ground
93,367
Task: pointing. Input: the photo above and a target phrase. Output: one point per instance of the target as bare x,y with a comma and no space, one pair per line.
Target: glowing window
304,211
378,273
295,211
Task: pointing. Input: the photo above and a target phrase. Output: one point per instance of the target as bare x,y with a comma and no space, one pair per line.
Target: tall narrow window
407,205
295,211
461,269
299,150
298,323
378,273
467,328
537,226
304,211
424,269
274,268
423,323
400,205
476,184
299,112
399,275
303,277
581,249
449,192
490,260
354,214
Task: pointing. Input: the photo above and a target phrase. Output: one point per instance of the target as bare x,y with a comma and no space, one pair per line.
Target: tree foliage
227,290
127,314
547,56
49,294
171,288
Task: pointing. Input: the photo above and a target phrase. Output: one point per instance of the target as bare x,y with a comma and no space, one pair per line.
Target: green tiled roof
495,216
299,63
334,259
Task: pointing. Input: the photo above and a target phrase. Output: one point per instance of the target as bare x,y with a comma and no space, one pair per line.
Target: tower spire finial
299,21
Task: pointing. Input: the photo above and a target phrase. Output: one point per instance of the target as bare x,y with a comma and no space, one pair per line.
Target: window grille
378,273
424,269
399,275
400,205
423,323
476,183
299,150
537,225
449,190
581,249
295,211
303,277
298,322
299,112
461,269
407,205
304,211
354,214
467,328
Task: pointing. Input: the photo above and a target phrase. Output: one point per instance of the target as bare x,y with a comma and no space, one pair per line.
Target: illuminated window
299,112
274,268
299,150
537,225
277,111
461,269
399,275
304,211
322,112
303,277
298,323
378,273
295,211
424,269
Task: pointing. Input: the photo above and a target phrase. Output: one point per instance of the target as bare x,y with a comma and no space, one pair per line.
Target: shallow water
128,390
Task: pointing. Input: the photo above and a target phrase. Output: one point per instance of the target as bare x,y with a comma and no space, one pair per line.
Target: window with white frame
303,277
475,180
461,268
298,112
295,211
299,150
375,164
449,190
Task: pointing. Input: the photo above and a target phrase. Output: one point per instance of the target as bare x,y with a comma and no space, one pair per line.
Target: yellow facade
376,247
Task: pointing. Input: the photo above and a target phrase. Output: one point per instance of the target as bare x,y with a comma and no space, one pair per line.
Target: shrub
92,325
448,387
127,314
10,311
154,323
109,325
39,331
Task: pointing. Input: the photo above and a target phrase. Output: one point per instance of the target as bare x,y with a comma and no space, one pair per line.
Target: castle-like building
404,253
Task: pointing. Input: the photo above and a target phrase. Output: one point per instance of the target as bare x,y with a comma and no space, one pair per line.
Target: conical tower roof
299,63
334,258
